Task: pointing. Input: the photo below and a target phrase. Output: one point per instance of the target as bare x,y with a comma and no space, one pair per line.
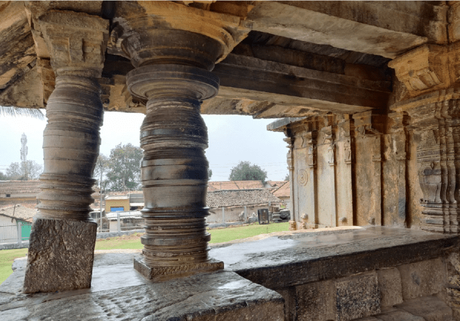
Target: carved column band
63,236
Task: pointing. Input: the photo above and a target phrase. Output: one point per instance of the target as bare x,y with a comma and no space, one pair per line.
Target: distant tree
123,168
102,166
209,173
244,171
287,177
21,171
3,177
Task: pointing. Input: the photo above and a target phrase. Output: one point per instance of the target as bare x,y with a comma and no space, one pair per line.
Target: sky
231,139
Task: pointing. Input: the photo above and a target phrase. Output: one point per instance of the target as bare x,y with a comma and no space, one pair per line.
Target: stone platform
374,273
119,292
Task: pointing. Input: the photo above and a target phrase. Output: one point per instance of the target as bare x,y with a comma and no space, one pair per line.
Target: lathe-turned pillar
173,64
63,236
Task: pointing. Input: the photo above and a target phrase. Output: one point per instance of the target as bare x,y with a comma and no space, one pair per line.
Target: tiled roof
240,197
19,211
19,187
233,185
283,191
276,184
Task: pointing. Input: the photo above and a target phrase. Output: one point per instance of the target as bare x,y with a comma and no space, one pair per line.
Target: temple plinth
63,236
173,75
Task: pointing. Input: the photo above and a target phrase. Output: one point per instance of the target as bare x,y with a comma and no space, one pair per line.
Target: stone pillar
172,63
431,97
63,236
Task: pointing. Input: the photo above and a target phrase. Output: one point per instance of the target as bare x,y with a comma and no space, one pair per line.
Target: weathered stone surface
398,315
157,273
430,308
316,301
357,296
319,256
60,255
390,287
423,278
289,296
114,295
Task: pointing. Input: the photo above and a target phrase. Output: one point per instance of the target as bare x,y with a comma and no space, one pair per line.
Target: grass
133,242
6,259
236,233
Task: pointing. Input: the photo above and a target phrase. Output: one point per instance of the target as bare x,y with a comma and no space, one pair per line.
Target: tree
244,171
102,166
24,170
3,177
209,173
287,177
123,168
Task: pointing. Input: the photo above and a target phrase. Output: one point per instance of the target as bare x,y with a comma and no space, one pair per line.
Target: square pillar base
61,254
163,273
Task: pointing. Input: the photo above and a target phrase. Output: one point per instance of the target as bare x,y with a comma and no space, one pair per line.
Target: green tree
287,177
209,173
17,171
3,177
244,171
123,168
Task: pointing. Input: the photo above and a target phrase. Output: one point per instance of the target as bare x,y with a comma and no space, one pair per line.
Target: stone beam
287,89
63,236
173,48
272,89
377,27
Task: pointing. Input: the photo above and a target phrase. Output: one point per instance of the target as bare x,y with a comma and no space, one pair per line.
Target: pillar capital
168,32
428,68
76,42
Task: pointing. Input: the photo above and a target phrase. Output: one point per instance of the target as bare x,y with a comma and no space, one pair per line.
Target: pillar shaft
63,237
174,168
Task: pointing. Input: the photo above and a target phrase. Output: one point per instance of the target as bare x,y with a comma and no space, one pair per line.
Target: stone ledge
312,257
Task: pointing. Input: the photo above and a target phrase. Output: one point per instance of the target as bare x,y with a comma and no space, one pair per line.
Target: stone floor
284,261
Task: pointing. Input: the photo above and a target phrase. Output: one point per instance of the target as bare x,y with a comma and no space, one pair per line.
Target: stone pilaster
311,162
433,103
399,141
290,162
172,74
63,236
368,183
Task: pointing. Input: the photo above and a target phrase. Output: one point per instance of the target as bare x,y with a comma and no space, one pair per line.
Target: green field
133,242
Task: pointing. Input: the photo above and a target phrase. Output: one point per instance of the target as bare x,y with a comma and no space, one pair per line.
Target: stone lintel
60,256
162,273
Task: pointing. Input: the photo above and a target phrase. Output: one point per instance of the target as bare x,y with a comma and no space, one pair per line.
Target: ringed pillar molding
63,236
173,63
431,98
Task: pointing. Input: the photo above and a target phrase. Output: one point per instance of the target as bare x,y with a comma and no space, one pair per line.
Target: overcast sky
231,139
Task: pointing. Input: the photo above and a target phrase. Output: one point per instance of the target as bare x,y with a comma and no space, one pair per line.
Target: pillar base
61,254
163,273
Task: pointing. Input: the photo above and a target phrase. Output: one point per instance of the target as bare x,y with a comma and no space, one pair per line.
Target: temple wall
356,169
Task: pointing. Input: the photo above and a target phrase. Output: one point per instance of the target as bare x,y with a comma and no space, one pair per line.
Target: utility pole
24,151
